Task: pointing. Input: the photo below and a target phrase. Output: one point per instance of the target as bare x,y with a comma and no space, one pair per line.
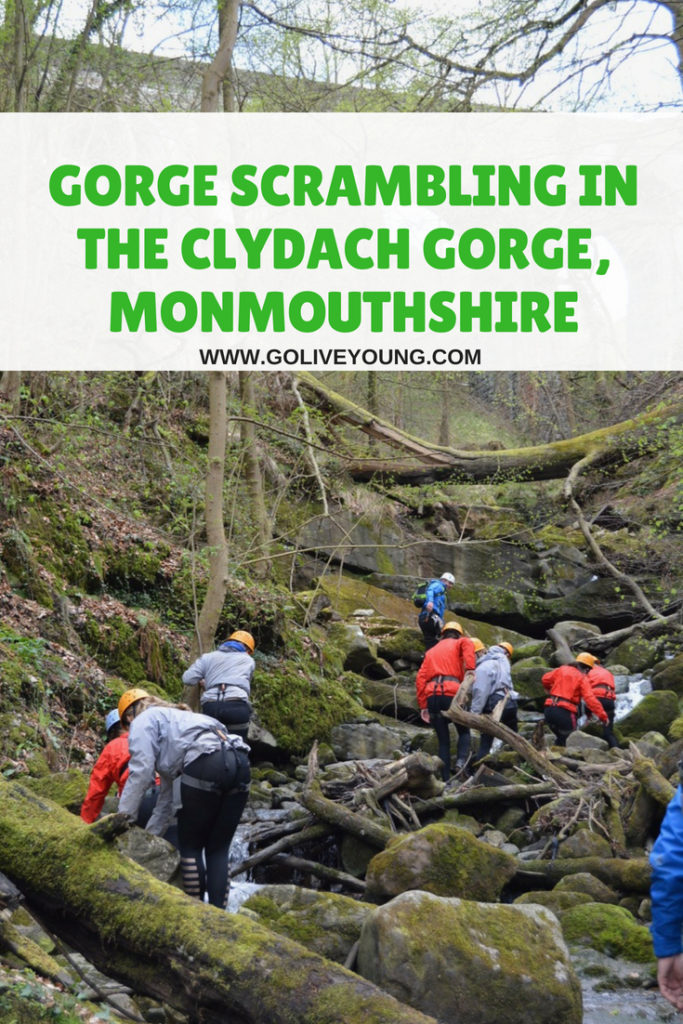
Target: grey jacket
166,740
227,675
491,677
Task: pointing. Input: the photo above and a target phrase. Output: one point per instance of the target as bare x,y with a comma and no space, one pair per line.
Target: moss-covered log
433,462
625,875
205,962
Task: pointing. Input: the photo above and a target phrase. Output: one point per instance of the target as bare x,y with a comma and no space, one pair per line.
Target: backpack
420,595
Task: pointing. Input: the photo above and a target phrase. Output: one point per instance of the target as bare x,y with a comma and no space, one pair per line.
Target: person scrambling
444,668
211,766
225,675
431,617
567,686
604,687
492,682
110,767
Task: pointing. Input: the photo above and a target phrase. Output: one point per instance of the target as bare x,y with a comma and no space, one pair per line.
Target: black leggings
208,819
435,705
561,721
233,714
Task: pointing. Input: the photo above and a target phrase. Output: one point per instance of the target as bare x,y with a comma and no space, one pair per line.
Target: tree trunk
219,74
10,389
252,470
215,966
215,531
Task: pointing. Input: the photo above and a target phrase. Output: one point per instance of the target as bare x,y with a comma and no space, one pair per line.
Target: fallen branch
483,723
321,871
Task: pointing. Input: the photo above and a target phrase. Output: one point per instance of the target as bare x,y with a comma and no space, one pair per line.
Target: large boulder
471,963
668,675
609,929
326,923
637,653
442,859
655,713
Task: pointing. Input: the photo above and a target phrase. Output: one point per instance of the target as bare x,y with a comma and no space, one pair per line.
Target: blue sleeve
432,591
666,889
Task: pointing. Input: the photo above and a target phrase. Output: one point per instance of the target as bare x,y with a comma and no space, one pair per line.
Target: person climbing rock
430,619
225,677
604,688
111,768
567,686
444,668
666,896
492,681
212,768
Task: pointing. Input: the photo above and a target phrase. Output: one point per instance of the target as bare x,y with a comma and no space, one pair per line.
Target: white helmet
448,577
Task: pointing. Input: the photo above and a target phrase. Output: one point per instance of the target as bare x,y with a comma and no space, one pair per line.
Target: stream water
614,992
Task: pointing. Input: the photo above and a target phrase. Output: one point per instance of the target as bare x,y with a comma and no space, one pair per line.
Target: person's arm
548,680
421,680
195,673
430,594
480,690
592,702
162,814
143,747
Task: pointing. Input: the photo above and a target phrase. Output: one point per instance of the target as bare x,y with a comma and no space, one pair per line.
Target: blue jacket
436,593
666,889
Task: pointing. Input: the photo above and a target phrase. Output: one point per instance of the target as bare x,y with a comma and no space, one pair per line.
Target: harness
563,702
230,763
439,684
607,690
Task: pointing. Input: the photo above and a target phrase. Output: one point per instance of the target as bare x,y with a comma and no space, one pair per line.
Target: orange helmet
453,627
244,638
507,647
586,659
128,698
477,644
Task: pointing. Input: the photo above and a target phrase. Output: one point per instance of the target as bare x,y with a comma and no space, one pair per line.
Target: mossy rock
298,704
637,653
655,713
526,676
554,900
326,923
587,884
460,960
400,645
676,730
669,676
608,929
441,859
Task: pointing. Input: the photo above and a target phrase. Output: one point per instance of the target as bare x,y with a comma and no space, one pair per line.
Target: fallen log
650,778
484,723
619,873
482,795
203,961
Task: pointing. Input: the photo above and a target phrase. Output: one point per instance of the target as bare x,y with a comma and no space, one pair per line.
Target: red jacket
444,665
602,682
111,767
567,686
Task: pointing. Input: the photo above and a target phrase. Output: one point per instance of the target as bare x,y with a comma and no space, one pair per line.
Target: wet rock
462,960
